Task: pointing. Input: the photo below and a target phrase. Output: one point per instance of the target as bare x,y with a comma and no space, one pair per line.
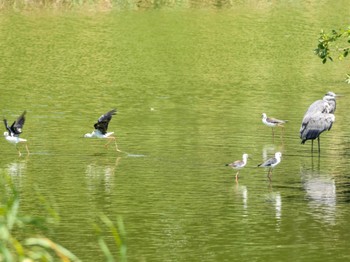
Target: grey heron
271,163
318,118
101,127
272,122
14,131
239,164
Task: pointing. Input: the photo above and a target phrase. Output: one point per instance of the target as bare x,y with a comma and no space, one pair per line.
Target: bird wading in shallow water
318,118
272,122
239,164
101,129
271,163
13,132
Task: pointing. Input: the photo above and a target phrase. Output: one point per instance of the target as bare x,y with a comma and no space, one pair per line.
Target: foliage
12,225
327,46
335,43
14,246
118,234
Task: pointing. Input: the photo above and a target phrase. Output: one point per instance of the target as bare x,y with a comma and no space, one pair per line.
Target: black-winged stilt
101,129
239,164
271,163
14,131
272,122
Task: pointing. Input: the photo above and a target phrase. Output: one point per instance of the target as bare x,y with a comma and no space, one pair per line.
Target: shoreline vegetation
109,5
22,236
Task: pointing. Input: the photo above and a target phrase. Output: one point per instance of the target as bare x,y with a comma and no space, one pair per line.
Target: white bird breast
15,140
98,134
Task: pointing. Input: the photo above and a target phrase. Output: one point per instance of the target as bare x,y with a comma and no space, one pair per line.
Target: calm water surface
190,87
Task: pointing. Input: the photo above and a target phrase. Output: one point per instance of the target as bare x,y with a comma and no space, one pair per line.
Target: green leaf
6,254
105,250
347,80
46,243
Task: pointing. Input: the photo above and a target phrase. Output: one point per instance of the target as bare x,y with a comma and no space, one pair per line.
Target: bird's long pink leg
269,174
27,149
19,152
116,146
110,139
282,131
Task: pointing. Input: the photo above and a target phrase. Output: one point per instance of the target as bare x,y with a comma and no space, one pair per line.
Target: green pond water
190,85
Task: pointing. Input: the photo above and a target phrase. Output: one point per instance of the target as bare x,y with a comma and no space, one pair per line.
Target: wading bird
239,164
272,122
101,129
14,131
318,118
271,163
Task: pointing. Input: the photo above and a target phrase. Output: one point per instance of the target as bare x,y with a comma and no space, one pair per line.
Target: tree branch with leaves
334,44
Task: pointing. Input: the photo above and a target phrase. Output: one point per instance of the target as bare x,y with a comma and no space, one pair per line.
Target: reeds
105,225
14,243
19,5
17,244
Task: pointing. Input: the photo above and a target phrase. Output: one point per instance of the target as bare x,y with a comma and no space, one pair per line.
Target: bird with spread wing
101,127
14,131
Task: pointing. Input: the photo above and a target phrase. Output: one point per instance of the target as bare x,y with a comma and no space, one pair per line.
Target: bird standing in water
239,164
101,129
14,131
271,163
272,122
318,118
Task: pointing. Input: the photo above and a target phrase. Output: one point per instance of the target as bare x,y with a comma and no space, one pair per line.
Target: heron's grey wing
103,121
314,125
318,106
17,126
314,109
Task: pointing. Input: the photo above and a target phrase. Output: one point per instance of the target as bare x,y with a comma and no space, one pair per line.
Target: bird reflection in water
16,170
243,190
275,199
97,174
321,195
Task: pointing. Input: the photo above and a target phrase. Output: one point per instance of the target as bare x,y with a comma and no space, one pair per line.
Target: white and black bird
239,164
14,131
101,127
271,163
272,122
318,118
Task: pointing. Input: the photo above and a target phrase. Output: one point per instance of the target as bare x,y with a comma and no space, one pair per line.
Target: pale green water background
190,86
